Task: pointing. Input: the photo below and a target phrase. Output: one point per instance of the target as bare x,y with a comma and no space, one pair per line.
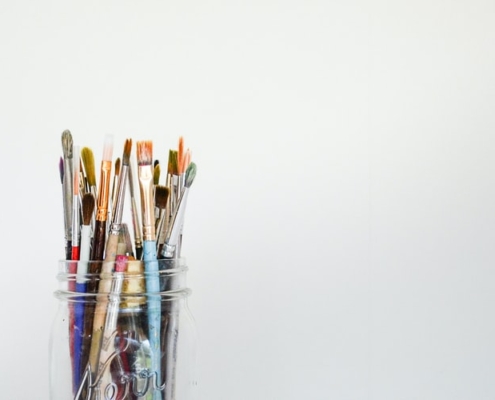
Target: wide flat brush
67,145
145,175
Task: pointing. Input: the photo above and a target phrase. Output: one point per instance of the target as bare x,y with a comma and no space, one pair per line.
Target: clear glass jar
112,339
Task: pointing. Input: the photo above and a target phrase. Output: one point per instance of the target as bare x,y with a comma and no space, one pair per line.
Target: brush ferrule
102,208
168,251
119,199
145,174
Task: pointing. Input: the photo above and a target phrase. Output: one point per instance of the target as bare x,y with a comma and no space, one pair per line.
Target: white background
340,229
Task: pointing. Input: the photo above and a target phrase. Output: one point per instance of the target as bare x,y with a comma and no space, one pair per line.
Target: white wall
340,229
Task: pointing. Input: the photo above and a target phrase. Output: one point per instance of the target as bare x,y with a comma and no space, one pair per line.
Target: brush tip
161,196
61,169
144,152
108,148
88,206
190,174
117,166
67,143
88,160
127,152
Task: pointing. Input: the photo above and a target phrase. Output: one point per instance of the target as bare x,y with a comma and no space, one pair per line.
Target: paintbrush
88,161
99,234
172,238
161,200
74,255
100,331
81,343
170,251
136,226
67,185
75,208
145,175
111,208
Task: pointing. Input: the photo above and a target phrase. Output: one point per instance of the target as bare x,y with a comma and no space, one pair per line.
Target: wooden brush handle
99,235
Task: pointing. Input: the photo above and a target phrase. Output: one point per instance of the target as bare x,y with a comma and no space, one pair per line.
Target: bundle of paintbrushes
119,266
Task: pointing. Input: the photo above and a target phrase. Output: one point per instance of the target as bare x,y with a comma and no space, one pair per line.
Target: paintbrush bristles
180,156
127,152
156,174
190,174
67,144
88,206
61,169
117,166
161,196
88,161
144,152
108,148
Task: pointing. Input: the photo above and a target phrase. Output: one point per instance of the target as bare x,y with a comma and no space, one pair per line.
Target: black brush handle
99,236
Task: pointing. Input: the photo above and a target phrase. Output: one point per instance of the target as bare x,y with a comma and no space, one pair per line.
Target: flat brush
88,161
161,197
67,145
99,235
170,248
145,175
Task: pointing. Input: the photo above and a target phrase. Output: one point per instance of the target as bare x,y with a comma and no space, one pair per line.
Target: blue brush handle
78,335
154,309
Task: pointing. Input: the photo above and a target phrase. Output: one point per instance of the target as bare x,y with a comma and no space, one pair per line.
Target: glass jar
114,339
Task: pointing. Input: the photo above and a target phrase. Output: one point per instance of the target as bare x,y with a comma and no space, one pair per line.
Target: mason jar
114,339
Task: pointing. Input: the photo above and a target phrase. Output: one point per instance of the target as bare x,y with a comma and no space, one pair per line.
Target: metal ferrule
102,208
119,199
75,221
168,251
145,174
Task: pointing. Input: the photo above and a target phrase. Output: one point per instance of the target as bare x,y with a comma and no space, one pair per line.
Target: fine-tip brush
100,331
136,226
67,145
74,254
116,175
88,161
81,343
145,175
75,208
172,180
170,248
61,172
99,234
180,165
